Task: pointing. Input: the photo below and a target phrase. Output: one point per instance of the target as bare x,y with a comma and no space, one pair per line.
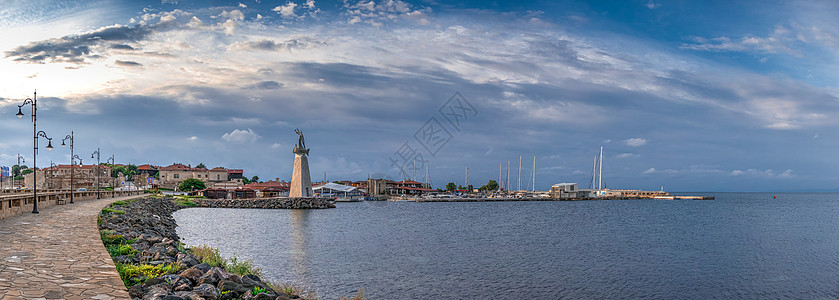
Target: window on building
177,176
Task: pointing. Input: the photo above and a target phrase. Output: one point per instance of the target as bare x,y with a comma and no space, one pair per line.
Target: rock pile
148,222
270,203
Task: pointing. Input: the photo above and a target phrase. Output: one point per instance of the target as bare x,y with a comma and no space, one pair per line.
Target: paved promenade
58,254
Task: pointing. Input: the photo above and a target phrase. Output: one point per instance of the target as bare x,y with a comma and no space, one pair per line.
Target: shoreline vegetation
140,236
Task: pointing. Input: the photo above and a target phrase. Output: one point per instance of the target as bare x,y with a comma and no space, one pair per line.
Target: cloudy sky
688,95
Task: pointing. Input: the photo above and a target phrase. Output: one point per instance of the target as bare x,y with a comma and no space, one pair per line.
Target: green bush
109,210
120,249
126,271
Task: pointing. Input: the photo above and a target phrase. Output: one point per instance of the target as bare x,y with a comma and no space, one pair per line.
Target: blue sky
691,96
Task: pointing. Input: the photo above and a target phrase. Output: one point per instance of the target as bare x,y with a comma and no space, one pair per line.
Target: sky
681,95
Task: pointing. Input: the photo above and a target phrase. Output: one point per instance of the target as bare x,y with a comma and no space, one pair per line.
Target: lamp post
19,158
73,171
72,163
113,179
97,171
36,134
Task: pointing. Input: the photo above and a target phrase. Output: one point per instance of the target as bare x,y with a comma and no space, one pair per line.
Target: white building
564,190
339,191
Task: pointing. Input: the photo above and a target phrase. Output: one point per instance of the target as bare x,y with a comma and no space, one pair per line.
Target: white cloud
241,136
652,5
627,155
192,138
276,146
649,171
768,173
635,142
242,5
286,10
384,11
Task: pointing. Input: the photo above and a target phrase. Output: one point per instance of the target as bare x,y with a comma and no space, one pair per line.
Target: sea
738,246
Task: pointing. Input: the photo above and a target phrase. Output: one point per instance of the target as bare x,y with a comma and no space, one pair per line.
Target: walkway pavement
58,254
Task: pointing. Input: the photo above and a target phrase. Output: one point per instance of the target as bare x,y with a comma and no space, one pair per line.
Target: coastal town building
338,191
564,190
58,177
170,176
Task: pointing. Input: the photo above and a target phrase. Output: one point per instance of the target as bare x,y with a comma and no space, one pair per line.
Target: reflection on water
738,246
299,220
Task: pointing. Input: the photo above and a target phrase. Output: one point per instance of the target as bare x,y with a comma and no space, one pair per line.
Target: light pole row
33,102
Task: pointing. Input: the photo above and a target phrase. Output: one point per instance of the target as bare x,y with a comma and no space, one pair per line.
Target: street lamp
113,181
33,102
72,163
97,171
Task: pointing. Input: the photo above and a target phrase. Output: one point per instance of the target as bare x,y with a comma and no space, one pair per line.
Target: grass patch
209,255
243,267
109,237
119,202
358,296
121,249
293,289
129,272
185,202
110,210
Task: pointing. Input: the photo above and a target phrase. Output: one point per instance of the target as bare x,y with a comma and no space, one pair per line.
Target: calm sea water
741,245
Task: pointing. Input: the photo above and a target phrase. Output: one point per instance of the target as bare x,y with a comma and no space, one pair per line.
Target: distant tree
490,186
26,171
254,179
115,170
201,166
132,170
470,187
459,187
450,186
245,180
16,169
191,184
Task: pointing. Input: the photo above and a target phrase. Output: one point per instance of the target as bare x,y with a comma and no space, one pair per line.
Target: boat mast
507,180
534,173
594,173
600,180
500,175
518,188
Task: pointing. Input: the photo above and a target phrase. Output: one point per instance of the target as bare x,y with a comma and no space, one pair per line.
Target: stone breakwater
267,203
147,226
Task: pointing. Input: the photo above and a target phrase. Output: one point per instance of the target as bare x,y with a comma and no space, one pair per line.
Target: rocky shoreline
141,238
267,203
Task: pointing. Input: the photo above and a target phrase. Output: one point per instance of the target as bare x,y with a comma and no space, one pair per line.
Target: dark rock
172,297
193,274
186,260
171,279
153,281
203,267
206,291
136,291
213,276
233,289
158,291
124,259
